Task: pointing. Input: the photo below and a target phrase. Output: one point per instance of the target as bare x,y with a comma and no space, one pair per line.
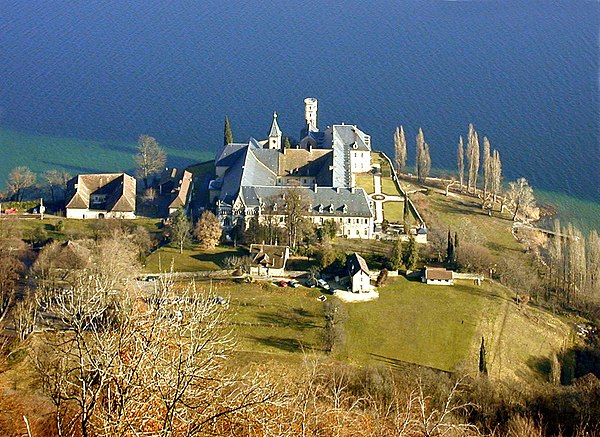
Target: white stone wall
361,282
96,214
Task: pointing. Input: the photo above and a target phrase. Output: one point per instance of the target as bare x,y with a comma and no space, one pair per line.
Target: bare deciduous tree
521,198
487,167
150,159
423,157
57,182
19,179
460,161
472,158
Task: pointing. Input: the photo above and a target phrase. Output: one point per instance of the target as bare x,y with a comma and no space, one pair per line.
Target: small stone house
360,281
103,195
175,190
268,260
438,276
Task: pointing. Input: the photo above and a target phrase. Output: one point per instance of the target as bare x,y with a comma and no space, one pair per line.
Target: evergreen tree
395,261
227,133
450,248
482,358
460,161
400,154
410,254
406,215
287,143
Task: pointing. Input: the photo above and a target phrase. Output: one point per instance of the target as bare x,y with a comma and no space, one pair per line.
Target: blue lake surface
525,73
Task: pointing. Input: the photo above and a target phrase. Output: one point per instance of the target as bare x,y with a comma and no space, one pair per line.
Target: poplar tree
423,157
593,263
496,174
227,133
460,161
400,153
473,158
487,170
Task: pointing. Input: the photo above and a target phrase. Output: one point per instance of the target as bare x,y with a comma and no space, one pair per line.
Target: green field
411,323
191,260
389,187
365,181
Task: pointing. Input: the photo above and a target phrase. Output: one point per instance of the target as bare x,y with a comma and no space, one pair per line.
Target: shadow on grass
285,344
397,364
218,257
540,365
296,319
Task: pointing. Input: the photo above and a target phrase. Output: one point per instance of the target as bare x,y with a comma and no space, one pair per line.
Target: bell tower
310,114
275,134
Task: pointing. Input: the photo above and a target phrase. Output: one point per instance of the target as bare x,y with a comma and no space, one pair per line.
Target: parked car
283,283
323,284
293,283
311,283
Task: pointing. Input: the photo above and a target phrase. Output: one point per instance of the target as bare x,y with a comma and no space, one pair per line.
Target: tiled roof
269,255
438,273
118,187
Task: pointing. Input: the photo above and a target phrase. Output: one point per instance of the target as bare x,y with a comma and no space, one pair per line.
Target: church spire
275,134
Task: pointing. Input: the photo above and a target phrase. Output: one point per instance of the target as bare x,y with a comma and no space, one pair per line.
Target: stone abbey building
252,178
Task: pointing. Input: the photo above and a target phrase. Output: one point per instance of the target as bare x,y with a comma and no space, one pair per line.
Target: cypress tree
410,254
482,358
406,215
227,133
450,249
287,143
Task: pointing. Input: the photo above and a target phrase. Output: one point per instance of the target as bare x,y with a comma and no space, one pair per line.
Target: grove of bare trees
400,152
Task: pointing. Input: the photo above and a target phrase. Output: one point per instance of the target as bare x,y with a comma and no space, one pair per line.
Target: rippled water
525,73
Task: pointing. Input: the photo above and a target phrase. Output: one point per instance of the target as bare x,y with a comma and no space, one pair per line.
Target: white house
104,195
438,276
359,274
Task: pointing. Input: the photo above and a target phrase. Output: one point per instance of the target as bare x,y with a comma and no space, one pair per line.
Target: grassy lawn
463,214
414,323
442,327
365,180
373,251
75,229
191,260
388,187
393,212
270,320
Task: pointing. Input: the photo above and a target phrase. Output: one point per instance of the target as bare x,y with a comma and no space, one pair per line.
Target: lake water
525,73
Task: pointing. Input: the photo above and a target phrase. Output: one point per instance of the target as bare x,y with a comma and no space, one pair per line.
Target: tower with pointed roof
275,136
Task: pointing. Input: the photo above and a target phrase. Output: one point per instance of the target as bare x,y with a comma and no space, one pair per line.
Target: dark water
525,73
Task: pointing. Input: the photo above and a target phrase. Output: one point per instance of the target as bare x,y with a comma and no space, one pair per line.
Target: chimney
315,187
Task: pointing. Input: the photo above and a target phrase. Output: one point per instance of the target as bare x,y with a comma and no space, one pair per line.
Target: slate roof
118,187
350,135
325,201
356,263
437,274
275,131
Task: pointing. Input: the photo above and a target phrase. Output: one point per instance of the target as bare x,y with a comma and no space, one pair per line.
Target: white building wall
73,213
360,161
361,282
